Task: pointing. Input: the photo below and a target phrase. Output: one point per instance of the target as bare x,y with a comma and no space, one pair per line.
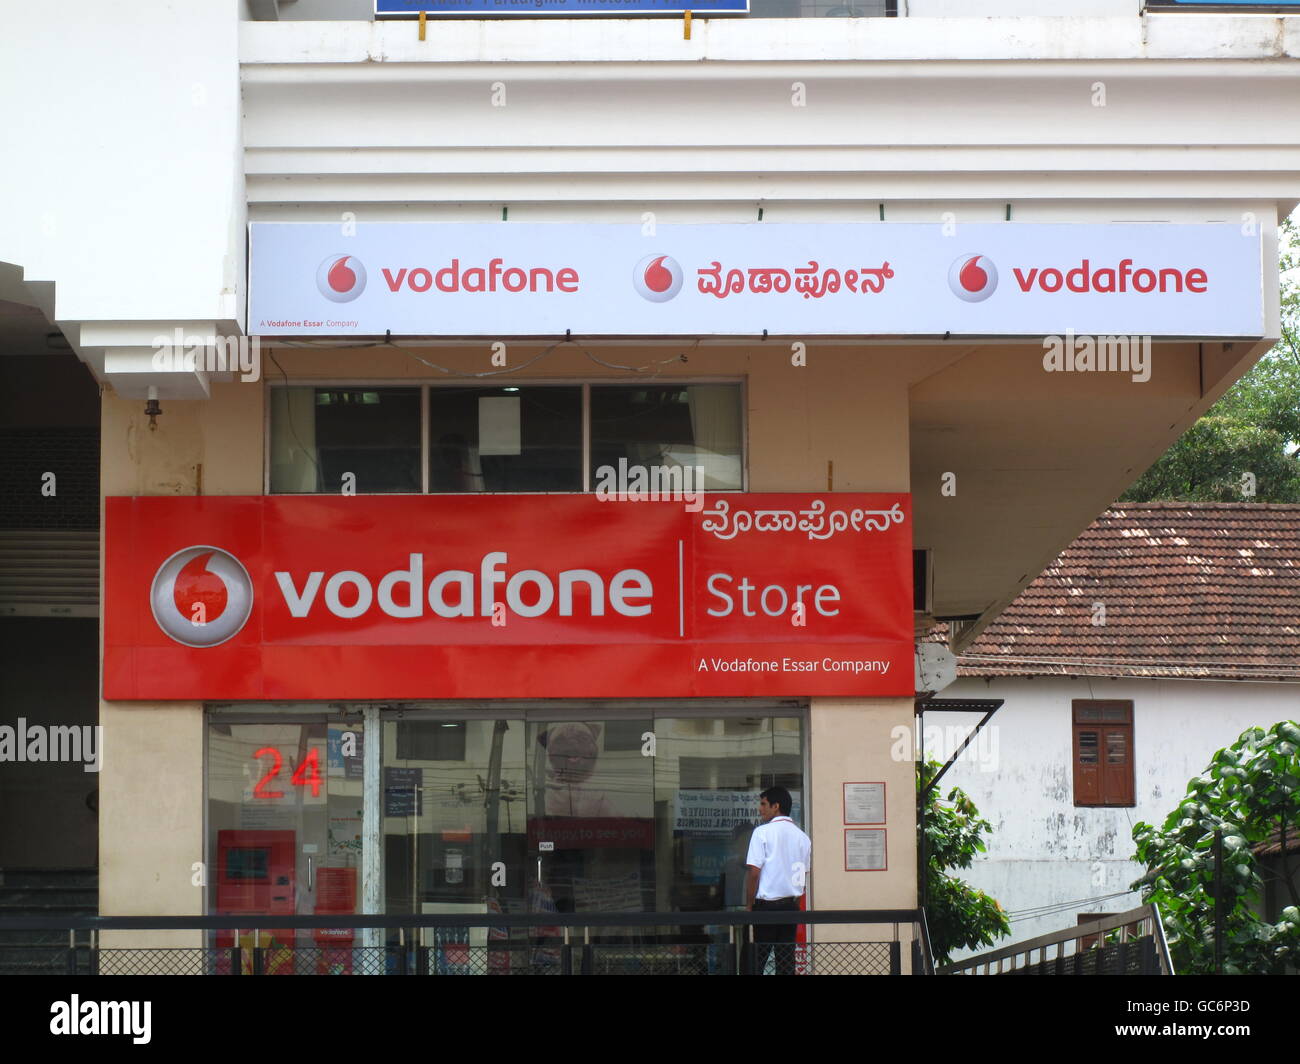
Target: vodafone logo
973,278
341,278
657,278
464,593
201,596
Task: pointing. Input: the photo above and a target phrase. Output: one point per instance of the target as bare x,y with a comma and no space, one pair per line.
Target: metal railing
698,943
1130,943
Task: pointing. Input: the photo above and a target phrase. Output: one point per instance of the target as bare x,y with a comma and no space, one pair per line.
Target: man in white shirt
778,862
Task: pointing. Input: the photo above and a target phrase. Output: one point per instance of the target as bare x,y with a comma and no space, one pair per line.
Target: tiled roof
1187,590
1272,846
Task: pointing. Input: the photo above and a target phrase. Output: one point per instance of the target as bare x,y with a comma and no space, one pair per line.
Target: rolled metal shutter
49,522
49,573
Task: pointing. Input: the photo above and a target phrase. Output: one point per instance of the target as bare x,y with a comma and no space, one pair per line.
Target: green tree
959,916
1249,791
1253,429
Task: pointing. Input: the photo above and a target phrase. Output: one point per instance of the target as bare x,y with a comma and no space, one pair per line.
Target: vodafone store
413,636
475,457
539,550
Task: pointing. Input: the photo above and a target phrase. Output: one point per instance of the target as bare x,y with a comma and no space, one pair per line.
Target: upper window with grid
530,438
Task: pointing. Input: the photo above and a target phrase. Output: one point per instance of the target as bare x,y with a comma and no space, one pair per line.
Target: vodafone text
792,665
1121,278
628,591
306,323
531,593
495,276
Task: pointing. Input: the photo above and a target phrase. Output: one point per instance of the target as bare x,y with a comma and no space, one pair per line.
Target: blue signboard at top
569,8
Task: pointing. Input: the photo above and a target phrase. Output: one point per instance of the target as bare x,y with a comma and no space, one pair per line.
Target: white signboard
505,279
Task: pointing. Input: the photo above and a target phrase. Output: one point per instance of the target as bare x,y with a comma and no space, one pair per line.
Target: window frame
585,383
1116,787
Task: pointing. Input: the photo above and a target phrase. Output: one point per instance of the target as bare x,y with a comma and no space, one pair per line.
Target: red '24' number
305,775
308,773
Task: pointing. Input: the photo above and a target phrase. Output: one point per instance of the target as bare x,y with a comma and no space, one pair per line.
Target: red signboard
494,596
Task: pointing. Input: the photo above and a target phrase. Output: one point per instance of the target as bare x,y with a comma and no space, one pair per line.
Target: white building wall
123,185
1043,851
123,152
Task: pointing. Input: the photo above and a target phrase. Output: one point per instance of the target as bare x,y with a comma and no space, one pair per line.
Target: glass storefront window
607,810
621,814
325,439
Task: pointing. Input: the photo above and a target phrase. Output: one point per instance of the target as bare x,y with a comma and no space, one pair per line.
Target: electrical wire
473,376
1075,905
656,366
388,341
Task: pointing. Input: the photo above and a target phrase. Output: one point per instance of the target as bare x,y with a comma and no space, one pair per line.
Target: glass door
591,827
454,831
591,823
284,837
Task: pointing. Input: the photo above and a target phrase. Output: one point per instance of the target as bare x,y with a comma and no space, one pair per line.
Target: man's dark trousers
778,937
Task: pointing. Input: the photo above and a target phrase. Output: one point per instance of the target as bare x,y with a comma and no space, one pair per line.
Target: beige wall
839,421
151,817
151,806
850,742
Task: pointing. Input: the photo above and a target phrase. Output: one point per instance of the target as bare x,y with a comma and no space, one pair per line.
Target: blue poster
558,7
403,791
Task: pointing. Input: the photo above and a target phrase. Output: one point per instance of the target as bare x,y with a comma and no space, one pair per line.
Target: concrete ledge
1178,35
